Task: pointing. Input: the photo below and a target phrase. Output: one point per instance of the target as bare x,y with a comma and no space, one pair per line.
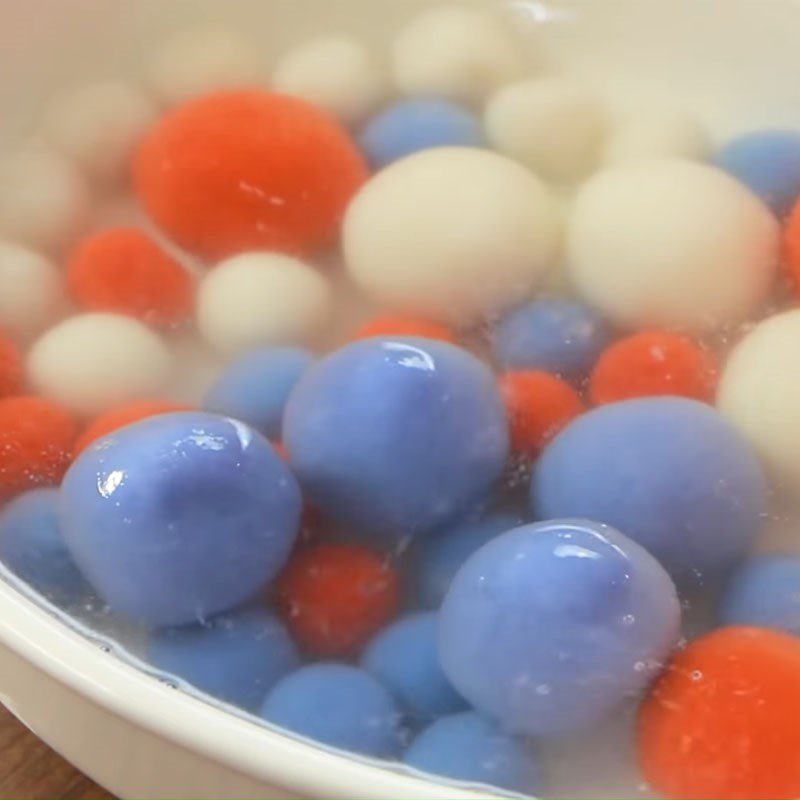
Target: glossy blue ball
668,472
764,591
436,559
336,705
768,162
552,626
559,336
236,657
32,547
404,658
255,387
413,125
179,517
397,436
468,747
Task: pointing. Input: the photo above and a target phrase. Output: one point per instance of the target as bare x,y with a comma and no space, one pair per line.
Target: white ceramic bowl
733,61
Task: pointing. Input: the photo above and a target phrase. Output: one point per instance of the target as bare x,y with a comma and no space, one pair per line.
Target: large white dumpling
759,393
671,242
451,233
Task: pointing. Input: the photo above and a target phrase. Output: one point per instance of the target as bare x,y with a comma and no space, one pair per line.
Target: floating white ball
452,233
672,243
455,52
44,200
92,362
759,393
99,125
261,298
659,133
31,291
203,59
335,73
551,125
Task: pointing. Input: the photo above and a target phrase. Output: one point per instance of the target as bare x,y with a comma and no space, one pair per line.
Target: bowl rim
261,754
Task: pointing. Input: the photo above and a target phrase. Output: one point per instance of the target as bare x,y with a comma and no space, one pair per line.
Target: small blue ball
557,336
255,387
397,436
768,162
236,657
437,558
468,747
550,627
668,472
413,125
765,592
179,517
32,547
404,659
337,705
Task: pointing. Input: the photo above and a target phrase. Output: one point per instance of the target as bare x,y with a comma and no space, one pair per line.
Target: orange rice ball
654,363
124,270
10,367
36,438
124,415
723,721
248,170
539,406
401,325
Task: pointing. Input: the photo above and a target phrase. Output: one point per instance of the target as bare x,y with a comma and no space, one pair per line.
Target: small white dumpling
261,298
99,125
91,362
453,233
658,133
456,52
32,292
203,59
334,73
44,199
671,243
552,125
759,393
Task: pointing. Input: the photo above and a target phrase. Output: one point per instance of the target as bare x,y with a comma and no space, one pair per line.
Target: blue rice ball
551,627
668,472
179,517
397,437
236,657
336,705
765,592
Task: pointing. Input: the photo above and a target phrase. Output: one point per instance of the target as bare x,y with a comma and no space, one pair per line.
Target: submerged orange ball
400,325
248,170
334,597
539,405
124,415
654,363
10,367
723,721
124,270
36,438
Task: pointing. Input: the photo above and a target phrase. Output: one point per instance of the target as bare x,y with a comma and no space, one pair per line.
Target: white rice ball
99,125
658,133
44,200
261,298
31,291
759,393
552,125
335,73
203,59
672,243
451,233
455,52
91,362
